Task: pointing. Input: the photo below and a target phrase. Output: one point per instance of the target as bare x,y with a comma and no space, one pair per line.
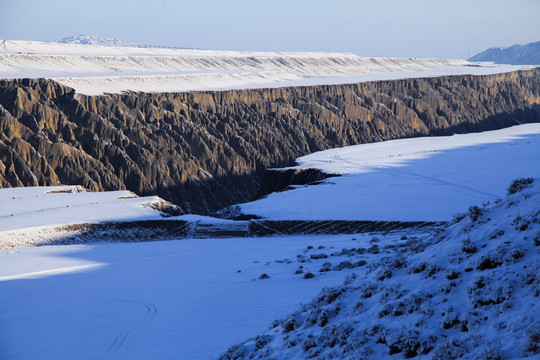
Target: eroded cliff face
207,150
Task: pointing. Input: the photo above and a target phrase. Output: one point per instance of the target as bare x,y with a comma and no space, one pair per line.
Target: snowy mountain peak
528,54
83,39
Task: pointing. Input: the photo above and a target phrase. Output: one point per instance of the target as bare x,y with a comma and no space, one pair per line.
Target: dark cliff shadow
494,122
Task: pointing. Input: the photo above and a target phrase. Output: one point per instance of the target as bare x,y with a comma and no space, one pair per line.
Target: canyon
205,150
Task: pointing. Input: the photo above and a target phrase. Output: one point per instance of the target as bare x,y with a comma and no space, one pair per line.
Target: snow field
62,205
419,179
188,299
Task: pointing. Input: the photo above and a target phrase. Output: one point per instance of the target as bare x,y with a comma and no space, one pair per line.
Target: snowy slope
94,69
515,54
419,179
471,292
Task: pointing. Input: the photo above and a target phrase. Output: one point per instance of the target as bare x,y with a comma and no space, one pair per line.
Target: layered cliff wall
207,150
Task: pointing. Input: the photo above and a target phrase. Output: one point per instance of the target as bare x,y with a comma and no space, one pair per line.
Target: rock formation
207,150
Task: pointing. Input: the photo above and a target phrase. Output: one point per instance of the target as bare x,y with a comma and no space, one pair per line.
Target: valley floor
180,299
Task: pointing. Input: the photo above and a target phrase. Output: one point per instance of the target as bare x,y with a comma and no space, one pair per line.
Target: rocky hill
528,54
207,150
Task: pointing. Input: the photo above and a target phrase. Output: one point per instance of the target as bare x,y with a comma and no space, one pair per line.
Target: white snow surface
418,179
188,299
21,208
178,299
194,298
47,214
96,69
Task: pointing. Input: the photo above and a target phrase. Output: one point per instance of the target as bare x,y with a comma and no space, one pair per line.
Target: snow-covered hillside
95,69
471,291
418,179
528,54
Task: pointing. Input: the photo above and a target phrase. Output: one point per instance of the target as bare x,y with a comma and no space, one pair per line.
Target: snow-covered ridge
54,48
94,69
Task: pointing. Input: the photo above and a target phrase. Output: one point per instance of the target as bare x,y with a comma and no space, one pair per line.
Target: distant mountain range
95,40
528,54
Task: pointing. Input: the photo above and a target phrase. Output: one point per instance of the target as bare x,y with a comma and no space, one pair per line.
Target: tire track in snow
441,181
394,170
151,311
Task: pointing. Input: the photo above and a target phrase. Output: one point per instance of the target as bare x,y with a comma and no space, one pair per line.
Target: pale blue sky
402,28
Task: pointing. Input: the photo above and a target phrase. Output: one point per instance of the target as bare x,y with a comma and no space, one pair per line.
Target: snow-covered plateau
97,69
44,215
467,290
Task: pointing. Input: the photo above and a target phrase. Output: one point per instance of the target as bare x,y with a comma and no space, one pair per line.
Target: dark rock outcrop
207,150
276,180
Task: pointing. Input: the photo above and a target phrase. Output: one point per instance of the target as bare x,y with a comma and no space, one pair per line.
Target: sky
394,28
